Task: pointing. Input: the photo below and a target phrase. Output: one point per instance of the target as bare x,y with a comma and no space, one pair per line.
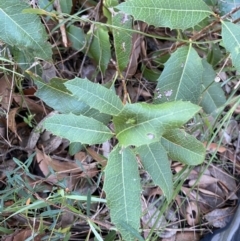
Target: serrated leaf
155,161
122,39
183,147
231,41
122,187
177,14
213,95
77,37
142,124
181,78
78,128
25,31
95,95
56,95
100,47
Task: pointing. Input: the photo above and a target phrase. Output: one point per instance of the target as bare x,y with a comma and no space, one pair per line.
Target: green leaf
155,161
215,54
74,148
177,14
66,6
227,6
56,95
110,3
141,124
78,128
183,147
150,74
25,31
95,95
77,37
45,4
231,41
213,95
122,39
122,187
22,58
181,78
100,47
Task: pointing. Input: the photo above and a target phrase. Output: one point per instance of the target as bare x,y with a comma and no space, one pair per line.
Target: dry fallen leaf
187,236
223,177
22,235
62,169
11,121
5,89
99,158
152,218
215,147
192,214
219,218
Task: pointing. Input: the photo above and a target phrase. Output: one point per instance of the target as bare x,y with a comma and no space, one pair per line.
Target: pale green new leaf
78,128
231,41
181,78
25,31
155,161
183,147
141,124
212,96
122,39
122,187
100,47
175,14
95,95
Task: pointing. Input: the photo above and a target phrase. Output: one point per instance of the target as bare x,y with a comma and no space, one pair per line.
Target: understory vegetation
119,120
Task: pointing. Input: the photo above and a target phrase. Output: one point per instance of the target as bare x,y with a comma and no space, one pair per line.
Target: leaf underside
95,95
122,187
155,161
78,128
23,30
56,95
212,96
231,41
183,147
177,14
122,39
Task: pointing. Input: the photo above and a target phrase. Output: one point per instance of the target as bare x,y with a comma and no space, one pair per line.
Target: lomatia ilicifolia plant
150,133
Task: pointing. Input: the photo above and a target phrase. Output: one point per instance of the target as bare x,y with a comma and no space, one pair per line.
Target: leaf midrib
96,96
184,148
79,128
172,10
147,121
160,170
25,32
